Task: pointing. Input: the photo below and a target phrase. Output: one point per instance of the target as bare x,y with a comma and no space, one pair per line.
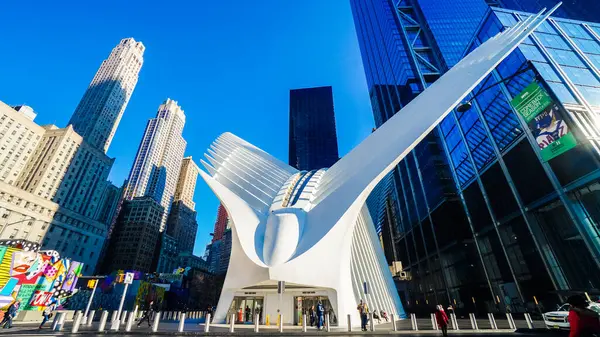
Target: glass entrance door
245,309
308,305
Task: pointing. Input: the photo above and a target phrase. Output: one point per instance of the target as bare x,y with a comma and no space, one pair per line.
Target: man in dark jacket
10,313
148,314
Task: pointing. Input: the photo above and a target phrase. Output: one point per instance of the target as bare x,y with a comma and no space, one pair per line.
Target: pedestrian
10,313
248,313
583,321
383,315
148,314
442,319
363,310
47,314
312,314
320,315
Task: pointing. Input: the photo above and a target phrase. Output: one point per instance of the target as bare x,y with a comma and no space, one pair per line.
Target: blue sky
229,64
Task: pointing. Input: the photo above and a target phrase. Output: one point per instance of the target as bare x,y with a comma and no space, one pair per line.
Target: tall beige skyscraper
186,185
156,167
100,110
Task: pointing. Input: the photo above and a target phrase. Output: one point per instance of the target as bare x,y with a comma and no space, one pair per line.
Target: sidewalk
193,328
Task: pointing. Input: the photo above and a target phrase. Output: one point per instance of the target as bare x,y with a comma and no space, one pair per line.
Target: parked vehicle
558,319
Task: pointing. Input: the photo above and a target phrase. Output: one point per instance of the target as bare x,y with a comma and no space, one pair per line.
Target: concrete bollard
327,325
394,327
181,322
454,321
349,323
434,322
231,322
177,315
492,321
135,312
413,322
257,322
207,323
55,321
371,322
156,321
103,319
473,322
90,318
77,322
511,321
528,320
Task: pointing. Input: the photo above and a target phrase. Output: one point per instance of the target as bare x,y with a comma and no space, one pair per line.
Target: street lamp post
14,223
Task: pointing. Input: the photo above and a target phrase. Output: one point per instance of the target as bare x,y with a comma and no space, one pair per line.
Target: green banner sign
545,120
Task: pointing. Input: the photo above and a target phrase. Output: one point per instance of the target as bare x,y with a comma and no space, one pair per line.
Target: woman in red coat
442,319
584,322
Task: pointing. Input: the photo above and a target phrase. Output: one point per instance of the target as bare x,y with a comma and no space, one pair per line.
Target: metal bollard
90,318
434,322
349,323
371,323
511,321
454,321
473,322
413,322
156,321
61,321
257,323
207,323
135,312
281,323
232,323
103,319
394,327
492,321
327,325
130,321
177,315
55,321
124,317
528,320
77,322
181,322
304,322
114,316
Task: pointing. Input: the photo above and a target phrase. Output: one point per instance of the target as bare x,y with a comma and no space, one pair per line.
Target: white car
559,319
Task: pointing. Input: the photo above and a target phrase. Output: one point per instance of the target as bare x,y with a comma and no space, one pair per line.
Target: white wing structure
312,229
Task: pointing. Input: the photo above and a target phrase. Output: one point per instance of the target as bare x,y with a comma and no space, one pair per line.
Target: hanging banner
545,120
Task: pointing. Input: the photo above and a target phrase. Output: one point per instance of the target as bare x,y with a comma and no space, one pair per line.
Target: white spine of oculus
313,229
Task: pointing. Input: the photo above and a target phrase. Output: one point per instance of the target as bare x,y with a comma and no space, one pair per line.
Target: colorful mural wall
36,278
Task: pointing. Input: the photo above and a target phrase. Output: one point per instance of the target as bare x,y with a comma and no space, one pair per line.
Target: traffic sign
128,278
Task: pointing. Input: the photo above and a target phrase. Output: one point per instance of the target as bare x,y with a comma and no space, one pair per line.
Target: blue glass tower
313,138
478,217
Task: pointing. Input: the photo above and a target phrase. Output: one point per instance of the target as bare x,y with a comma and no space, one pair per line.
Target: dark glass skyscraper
588,10
313,138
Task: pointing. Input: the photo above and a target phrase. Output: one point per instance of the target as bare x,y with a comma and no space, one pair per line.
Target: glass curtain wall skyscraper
313,138
515,233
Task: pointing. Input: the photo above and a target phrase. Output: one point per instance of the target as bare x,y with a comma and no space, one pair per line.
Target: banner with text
545,120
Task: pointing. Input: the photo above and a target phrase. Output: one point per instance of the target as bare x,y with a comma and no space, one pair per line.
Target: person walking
583,321
363,310
312,314
10,314
47,314
148,314
320,315
442,319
